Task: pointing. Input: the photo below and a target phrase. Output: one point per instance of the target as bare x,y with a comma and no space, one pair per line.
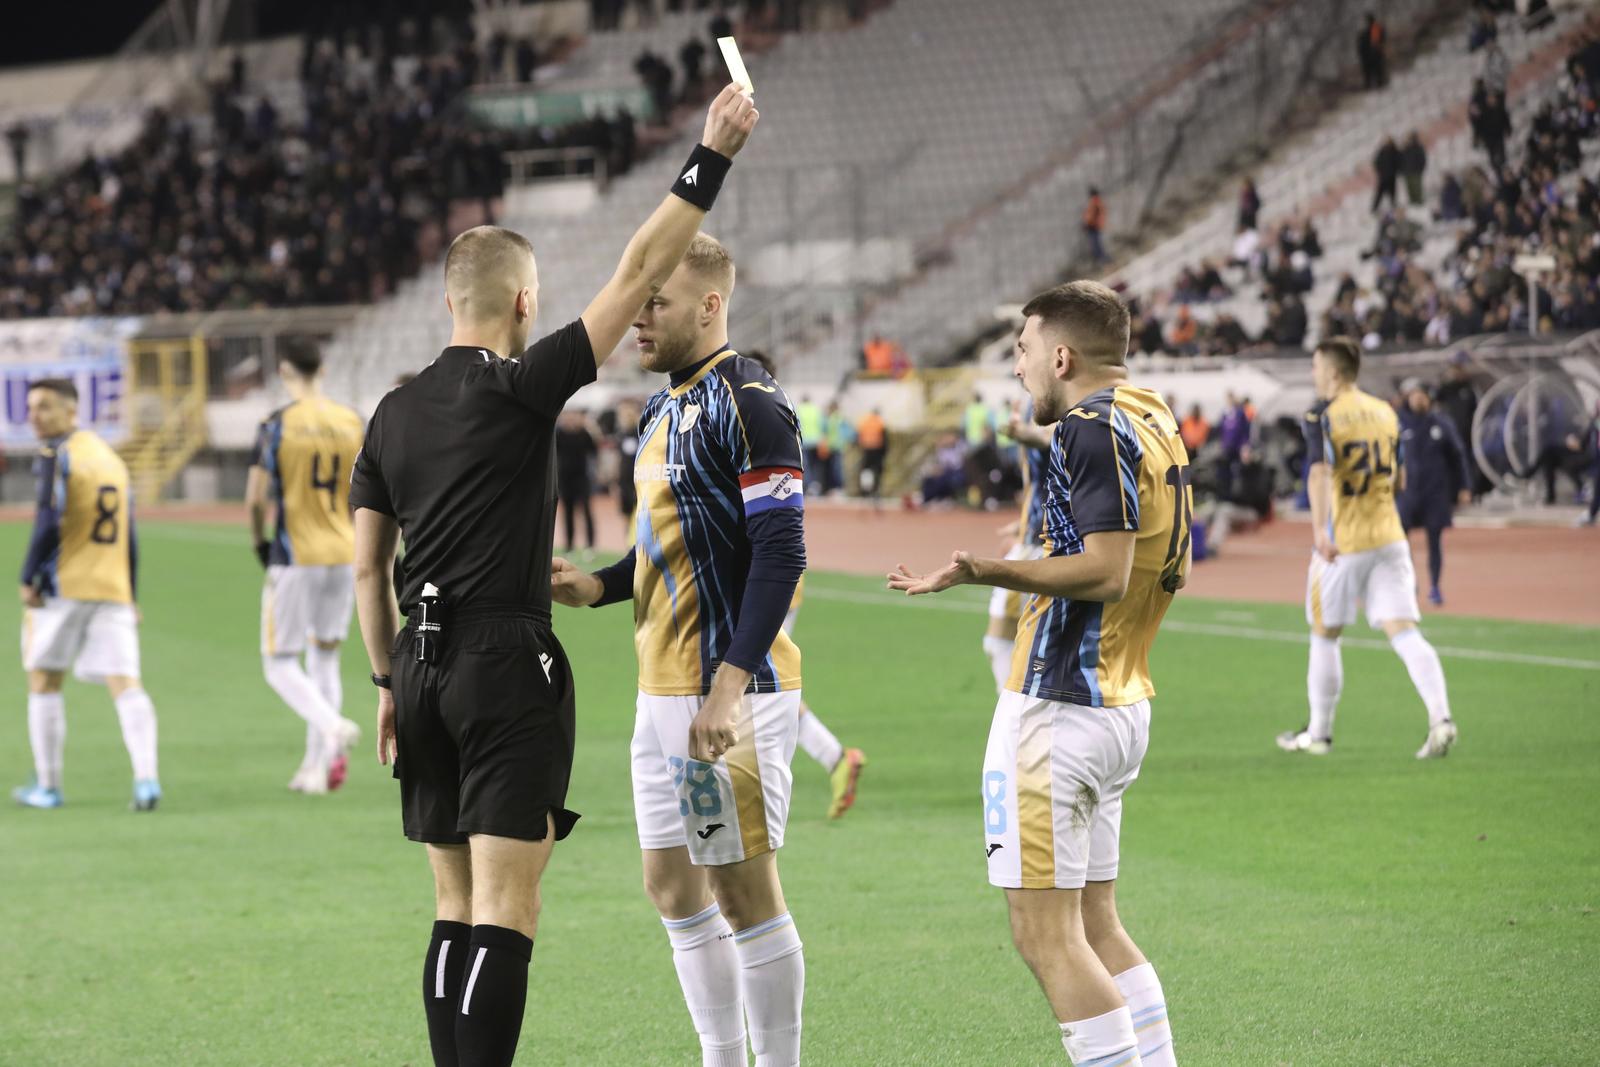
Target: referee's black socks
492,997
441,987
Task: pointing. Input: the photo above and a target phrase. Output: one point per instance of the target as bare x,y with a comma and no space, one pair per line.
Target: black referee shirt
463,457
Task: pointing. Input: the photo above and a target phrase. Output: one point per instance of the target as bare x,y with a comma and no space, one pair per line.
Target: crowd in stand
249,210
1497,210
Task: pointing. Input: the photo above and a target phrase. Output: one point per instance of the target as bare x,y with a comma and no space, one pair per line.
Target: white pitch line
1249,633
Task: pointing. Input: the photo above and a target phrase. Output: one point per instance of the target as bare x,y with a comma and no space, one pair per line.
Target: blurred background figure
1438,474
576,453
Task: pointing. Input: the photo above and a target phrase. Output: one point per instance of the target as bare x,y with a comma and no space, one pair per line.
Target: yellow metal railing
945,393
167,402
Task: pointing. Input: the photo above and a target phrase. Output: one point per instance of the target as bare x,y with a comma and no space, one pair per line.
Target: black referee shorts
485,733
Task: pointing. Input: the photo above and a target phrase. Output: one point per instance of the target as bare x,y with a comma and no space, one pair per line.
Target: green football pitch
1359,909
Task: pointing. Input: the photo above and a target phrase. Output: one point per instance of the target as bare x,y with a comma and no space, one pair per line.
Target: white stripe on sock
438,971
466,999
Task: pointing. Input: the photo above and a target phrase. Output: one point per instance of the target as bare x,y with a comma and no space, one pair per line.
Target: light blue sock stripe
1155,1048
694,920
1116,1059
1143,1014
763,928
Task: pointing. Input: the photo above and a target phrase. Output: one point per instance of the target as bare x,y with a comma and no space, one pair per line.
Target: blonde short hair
709,259
484,267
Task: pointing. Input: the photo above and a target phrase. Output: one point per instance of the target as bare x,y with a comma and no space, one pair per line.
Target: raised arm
654,251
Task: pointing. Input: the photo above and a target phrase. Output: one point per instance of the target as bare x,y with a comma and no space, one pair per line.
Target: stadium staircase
1326,173
166,410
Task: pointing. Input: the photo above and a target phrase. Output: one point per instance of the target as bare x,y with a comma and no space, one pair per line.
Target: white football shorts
1381,578
726,811
1053,779
99,639
300,602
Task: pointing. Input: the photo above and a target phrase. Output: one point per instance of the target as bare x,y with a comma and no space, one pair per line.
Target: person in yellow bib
301,470
1360,554
78,585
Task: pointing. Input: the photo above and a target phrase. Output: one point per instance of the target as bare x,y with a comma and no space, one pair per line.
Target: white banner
92,353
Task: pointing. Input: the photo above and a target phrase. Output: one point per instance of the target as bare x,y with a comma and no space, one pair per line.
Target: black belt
488,613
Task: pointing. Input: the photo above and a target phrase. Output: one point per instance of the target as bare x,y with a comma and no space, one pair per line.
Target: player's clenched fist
732,116
572,586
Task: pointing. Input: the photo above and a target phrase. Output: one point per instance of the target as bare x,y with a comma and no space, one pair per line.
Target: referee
475,700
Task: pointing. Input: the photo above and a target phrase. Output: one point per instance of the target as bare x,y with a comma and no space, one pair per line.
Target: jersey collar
681,381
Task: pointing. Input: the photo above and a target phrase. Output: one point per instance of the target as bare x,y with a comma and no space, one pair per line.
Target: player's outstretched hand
388,745
732,116
958,572
573,586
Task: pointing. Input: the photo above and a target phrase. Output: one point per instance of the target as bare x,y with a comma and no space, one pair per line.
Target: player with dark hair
301,470
719,549
475,701
1360,554
78,584
844,765
1073,723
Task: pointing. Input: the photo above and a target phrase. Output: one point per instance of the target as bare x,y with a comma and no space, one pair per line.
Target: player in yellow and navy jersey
1072,725
718,552
78,584
301,470
1360,553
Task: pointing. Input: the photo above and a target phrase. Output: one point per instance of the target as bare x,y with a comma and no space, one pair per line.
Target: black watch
381,681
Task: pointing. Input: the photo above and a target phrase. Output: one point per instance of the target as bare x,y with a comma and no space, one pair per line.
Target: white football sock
291,682
138,717
316,749
1148,1006
47,730
322,664
1324,680
1104,1041
818,740
773,974
1427,673
708,971
999,650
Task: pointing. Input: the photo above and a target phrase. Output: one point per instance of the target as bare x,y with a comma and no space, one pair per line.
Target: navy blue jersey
1435,459
718,449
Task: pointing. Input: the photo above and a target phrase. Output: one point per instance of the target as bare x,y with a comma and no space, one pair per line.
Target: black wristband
702,177
381,681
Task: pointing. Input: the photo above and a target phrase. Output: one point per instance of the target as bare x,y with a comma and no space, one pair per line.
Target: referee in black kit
475,701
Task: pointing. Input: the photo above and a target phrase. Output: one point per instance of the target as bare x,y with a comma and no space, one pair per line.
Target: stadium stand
1326,178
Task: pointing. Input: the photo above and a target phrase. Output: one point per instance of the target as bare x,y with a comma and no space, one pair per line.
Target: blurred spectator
809,416
1181,338
1249,204
1243,500
872,435
878,356
1233,432
1494,127
1194,429
1451,207
944,477
575,462
977,420
17,135
1496,68
1483,31
1386,168
1372,50
837,433
527,58
656,75
627,443
693,56
1094,224
1413,161
988,471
